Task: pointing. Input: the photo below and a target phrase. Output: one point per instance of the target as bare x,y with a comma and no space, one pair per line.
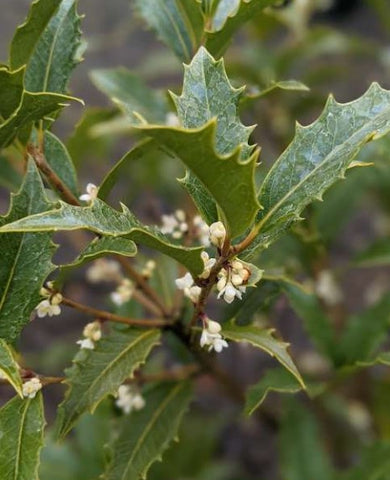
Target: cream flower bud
184,282
31,387
193,293
213,327
93,331
229,293
56,299
92,193
217,233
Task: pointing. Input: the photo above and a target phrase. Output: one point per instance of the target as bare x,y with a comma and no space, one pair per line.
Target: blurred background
337,47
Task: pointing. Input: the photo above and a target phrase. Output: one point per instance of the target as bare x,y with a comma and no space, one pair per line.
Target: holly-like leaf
48,43
263,339
32,107
318,156
99,372
275,380
131,94
230,15
9,367
178,23
26,258
102,219
21,425
147,433
376,255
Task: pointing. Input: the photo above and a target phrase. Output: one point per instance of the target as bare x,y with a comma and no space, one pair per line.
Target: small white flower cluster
211,336
123,293
175,224
148,269
104,270
201,230
50,306
232,280
129,398
31,387
92,193
217,234
92,333
327,289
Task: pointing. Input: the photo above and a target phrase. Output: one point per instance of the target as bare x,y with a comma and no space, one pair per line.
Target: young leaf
178,23
26,258
303,457
9,367
274,380
99,372
48,44
21,425
207,94
131,95
229,17
264,340
318,156
147,433
101,218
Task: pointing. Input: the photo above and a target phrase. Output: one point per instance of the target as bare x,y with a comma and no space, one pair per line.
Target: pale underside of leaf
9,367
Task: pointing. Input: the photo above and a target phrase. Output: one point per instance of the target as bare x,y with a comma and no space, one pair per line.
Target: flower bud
217,234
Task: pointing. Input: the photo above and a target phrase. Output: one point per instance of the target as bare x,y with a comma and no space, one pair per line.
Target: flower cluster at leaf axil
211,336
91,193
31,387
129,398
232,281
92,333
177,225
51,305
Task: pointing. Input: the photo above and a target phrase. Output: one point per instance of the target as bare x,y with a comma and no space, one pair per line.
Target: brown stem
51,176
176,374
112,317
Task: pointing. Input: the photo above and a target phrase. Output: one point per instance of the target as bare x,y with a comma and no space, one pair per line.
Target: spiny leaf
275,380
21,425
264,340
131,95
207,94
26,258
178,23
147,433
9,367
48,44
318,156
101,218
99,372
229,17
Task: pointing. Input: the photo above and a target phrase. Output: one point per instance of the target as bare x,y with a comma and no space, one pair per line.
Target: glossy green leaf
315,321
147,433
263,339
48,43
26,258
229,17
21,425
99,372
303,456
11,91
376,255
275,380
178,23
102,219
9,367
131,94
32,107
318,156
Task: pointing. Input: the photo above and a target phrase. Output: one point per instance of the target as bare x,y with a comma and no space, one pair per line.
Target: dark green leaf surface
318,156
101,218
48,44
178,23
21,426
9,366
26,258
11,90
99,372
275,380
131,94
263,339
147,433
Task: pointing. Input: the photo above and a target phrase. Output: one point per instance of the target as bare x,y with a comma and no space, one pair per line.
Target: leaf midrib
25,404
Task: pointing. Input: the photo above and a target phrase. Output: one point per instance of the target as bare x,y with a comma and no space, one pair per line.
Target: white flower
217,232
86,343
128,399
184,282
50,306
212,338
93,331
31,387
202,230
91,195
232,280
208,264
327,288
175,224
103,270
123,293
193,293
172,120
148,269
